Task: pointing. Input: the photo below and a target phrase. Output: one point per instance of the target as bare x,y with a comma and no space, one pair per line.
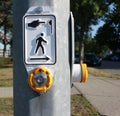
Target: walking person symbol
39,41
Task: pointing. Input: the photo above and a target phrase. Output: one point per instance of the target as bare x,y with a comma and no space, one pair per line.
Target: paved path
103,93
6,92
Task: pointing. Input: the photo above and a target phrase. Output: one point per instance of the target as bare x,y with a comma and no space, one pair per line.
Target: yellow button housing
84,72
43,74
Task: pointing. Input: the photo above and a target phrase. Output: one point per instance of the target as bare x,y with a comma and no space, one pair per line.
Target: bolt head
40,79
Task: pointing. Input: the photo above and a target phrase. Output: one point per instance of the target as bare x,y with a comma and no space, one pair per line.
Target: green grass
6,106
81,107
5,61
102,73
6,76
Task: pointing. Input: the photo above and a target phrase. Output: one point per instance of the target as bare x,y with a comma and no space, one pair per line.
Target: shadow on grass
6,66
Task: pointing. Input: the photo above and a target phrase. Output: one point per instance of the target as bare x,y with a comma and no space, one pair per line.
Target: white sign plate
39,39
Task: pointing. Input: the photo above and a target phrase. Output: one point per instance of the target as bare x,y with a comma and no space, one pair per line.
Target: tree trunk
4,42
81,46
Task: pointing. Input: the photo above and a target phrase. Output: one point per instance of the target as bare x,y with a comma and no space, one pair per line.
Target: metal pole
56,101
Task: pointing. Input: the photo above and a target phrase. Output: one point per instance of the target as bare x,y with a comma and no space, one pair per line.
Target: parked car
112,57
92,60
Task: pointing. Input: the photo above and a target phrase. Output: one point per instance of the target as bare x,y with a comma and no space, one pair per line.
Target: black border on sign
24,42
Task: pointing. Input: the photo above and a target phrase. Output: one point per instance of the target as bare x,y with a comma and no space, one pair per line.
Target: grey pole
56,101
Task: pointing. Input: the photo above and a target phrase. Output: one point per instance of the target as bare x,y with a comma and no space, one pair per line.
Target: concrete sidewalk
103,93
6,92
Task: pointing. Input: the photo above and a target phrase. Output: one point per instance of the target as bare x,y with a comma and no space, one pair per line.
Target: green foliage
91,46
109,33
5,21
6,14
76,47
86,13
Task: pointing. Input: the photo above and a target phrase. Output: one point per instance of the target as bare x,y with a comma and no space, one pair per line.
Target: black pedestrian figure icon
39,43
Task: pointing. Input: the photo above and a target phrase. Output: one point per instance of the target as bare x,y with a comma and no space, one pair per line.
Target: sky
96,27
1,46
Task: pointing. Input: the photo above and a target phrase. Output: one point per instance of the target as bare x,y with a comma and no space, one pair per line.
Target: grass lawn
102,73
6,106
6,76
79,107
5,61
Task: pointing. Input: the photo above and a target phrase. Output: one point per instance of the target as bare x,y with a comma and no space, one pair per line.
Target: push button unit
40,79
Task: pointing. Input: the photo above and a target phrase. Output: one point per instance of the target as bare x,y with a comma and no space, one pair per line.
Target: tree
86,13
109,34
5,20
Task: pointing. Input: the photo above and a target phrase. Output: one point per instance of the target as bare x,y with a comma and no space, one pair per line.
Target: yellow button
84,73
40,79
